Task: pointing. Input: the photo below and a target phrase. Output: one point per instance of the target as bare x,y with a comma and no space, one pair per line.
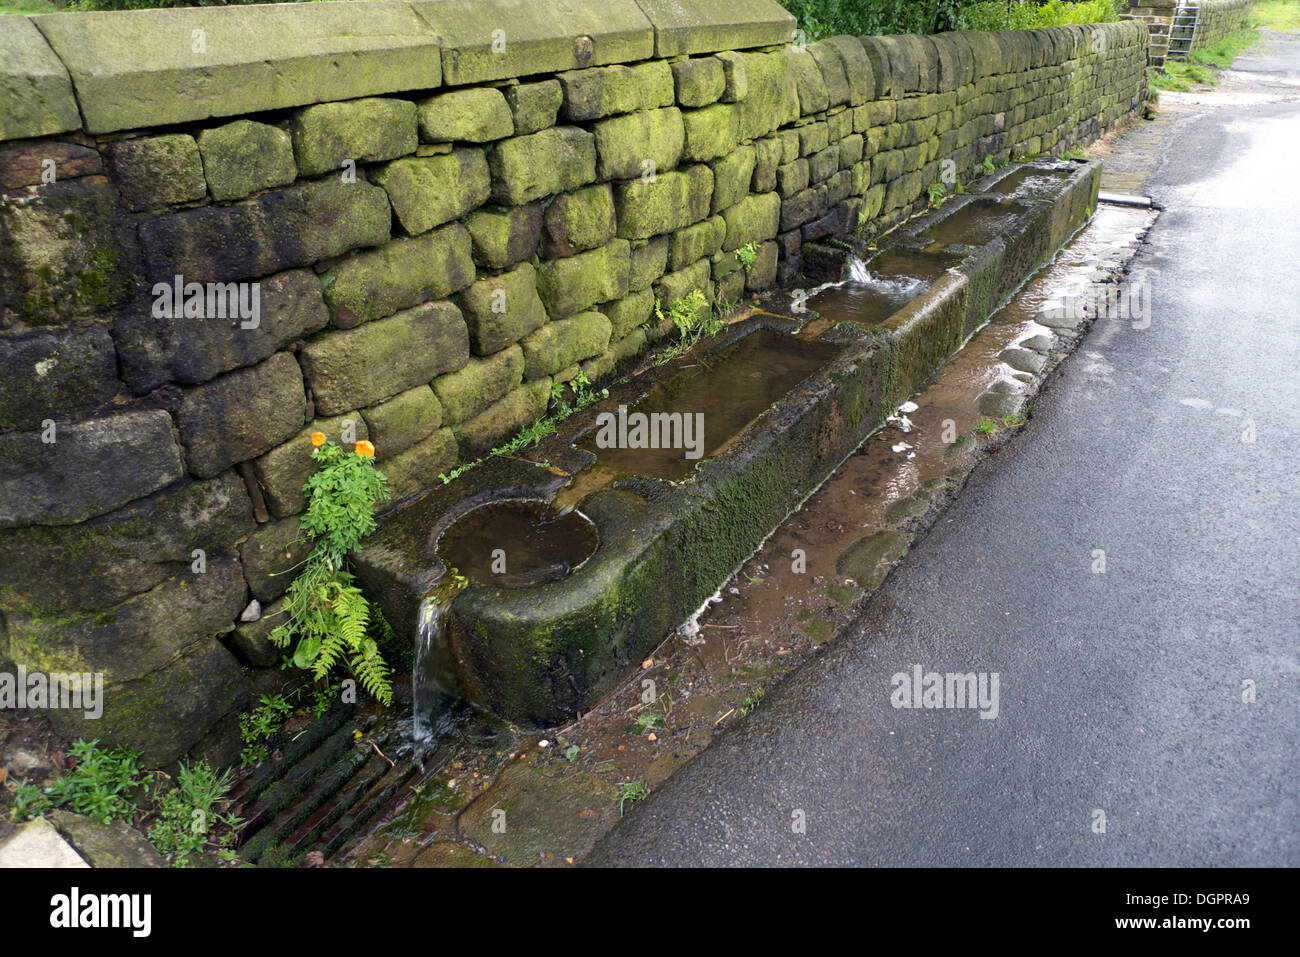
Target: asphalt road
1120,693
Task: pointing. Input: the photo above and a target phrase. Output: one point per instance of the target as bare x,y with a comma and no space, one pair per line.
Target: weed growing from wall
327,614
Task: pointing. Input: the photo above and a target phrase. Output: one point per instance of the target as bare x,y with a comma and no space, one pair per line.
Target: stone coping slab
153,67
137,68
707,26
35,92
485,40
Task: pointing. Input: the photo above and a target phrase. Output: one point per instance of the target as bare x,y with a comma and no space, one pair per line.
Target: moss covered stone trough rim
540,655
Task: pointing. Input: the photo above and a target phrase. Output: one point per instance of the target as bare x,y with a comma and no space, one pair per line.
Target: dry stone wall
403,227
1215,19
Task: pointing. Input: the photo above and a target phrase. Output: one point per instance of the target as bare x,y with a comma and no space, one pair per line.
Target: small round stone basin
517,543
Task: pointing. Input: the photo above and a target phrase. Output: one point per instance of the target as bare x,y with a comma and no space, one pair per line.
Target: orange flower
318,438
366,448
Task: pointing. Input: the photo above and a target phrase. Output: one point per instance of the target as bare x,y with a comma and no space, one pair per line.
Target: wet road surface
1147,713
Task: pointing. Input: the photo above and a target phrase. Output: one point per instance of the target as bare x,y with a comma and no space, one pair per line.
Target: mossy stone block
468,391
561,343
500,310
604,91
282,471
503,237
711,131
699,241
649,261
242,414
398,423
243,157
476,115
579,220
756,218
503,418
155,171
534,106
416,469
400,274
368,130
354,368
428,191
732,176
556,160
629,313
578,282
641,143
672,200
699,81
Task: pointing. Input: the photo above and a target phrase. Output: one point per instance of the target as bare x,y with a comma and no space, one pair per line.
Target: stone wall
1215,20
447,208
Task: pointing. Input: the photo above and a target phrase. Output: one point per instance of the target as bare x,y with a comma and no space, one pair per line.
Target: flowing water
431,701
1028,182
877,289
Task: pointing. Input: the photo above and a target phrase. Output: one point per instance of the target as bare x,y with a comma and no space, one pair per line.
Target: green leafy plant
987,426
751,702
100,784
989,168
582,394
937,193
693,319
194,814
687,313
747,254
327,613
256,726
460,469
29,800
629,792
645,722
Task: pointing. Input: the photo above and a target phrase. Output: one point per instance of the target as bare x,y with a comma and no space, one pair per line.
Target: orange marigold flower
366,448
318,438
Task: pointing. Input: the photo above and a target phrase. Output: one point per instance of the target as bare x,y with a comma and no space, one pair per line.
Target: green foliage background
823,18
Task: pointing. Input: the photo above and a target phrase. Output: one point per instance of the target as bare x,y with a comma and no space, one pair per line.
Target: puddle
978,222
517,544
728,389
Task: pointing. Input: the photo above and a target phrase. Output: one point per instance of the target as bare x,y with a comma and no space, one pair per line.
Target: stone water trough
630,542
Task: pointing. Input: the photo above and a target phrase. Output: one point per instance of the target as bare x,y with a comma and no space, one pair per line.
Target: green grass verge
1280,15
1204,66
28,6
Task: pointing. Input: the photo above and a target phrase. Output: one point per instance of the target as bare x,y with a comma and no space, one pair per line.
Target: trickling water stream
875,289
431,701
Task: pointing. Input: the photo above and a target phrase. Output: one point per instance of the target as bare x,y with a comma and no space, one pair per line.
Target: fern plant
325,610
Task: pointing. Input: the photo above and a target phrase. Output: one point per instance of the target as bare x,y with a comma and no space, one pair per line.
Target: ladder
1183,32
